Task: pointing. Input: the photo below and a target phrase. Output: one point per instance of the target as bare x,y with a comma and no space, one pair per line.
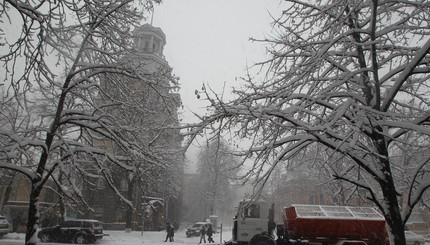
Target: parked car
195,229
79,231
414,239
4,226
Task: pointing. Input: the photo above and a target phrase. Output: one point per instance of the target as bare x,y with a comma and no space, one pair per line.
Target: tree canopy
216,171
350,76
57,114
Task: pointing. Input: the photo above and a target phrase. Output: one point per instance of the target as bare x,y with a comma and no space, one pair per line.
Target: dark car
78,231
195,229
4,226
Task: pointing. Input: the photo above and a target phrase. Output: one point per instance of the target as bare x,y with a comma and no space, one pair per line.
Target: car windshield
97,225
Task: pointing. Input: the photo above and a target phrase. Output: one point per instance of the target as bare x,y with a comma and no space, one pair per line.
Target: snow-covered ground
132,238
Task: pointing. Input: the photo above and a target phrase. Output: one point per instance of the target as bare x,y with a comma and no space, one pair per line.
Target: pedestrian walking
209,232
203,234
169,232
172,233
271,226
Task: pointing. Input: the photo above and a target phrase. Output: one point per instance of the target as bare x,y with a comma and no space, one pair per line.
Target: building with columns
149,44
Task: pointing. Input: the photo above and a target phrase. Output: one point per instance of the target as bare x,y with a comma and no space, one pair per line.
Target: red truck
304,224
332,224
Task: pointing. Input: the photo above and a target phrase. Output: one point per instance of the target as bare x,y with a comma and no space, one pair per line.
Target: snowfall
133,238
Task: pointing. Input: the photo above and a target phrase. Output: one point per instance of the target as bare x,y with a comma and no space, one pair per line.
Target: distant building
149,43
14,200
419,221
190,210
161,112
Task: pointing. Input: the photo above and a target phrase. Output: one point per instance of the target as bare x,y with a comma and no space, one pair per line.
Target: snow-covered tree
150,109
352,76
317,164
216,173
55,56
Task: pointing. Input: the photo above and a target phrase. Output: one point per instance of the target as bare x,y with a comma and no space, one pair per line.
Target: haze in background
208,43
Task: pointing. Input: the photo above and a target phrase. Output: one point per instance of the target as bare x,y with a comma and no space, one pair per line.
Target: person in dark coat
45,222
209,232
203,234
271,227
172,233
169,232
16,223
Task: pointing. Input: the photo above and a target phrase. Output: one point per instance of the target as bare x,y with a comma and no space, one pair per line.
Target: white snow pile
132,238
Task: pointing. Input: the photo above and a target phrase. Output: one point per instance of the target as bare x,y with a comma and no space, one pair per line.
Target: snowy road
133,238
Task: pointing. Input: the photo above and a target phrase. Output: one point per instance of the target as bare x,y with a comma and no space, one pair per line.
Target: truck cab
251,222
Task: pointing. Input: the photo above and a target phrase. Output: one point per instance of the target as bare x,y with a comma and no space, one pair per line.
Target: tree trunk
61,199
62,208
130,209
391,210
33,214
393,217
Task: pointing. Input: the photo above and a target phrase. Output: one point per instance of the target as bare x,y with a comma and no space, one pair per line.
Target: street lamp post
142,207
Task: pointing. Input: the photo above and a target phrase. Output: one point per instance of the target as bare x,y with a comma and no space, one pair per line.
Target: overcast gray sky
208,42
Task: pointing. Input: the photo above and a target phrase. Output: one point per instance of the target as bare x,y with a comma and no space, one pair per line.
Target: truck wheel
262,240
